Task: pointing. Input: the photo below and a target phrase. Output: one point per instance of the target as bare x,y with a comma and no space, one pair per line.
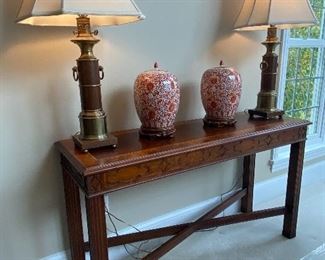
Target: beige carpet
262,239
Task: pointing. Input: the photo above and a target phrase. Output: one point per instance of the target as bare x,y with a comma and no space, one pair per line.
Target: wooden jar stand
137,161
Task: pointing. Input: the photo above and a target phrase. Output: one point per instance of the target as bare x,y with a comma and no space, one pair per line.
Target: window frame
315,145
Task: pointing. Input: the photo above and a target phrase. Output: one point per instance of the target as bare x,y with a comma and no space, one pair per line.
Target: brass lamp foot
266,114
85,145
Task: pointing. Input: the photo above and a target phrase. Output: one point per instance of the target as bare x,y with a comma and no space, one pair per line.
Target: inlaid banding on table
194,147
127,176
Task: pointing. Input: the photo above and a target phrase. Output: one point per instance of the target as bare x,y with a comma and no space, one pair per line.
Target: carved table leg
72,201
248,183
96,220
293,189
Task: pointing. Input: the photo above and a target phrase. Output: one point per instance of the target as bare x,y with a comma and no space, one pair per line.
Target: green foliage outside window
305,70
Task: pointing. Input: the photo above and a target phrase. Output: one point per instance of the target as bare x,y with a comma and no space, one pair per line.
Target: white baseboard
269,189
58,256
263,192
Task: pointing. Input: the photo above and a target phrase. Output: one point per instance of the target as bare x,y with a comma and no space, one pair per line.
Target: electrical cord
233,188
134,227
138,248
125,247
122,221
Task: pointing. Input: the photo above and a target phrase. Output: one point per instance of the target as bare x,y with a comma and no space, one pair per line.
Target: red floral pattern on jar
156,98
220,94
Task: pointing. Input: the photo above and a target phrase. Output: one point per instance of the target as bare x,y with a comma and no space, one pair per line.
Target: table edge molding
175,151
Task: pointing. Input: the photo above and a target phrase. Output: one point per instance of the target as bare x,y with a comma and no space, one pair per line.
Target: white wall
40,105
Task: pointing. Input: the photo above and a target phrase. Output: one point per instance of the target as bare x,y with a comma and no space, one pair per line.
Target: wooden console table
137,161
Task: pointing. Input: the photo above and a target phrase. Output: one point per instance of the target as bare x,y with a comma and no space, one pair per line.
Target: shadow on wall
230,44
189,95
33,47
25,33
41,203
120,101
46,211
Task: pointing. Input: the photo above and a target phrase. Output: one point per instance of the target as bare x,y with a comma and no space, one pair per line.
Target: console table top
190,136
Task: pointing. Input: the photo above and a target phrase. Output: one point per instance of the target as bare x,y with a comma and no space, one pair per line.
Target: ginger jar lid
156,71
221,69
223,66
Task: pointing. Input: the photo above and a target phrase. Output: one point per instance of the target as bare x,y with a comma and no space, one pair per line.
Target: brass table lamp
93,128
272,15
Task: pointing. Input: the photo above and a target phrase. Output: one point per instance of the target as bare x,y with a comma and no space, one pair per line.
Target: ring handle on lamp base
92,118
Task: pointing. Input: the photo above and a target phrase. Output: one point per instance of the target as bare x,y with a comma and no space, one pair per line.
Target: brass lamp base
276,113
88,144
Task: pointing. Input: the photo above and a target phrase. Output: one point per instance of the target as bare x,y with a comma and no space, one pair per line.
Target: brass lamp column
93,129
271,15
267,97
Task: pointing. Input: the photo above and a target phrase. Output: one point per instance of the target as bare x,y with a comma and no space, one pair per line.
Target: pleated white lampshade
284,14
65,12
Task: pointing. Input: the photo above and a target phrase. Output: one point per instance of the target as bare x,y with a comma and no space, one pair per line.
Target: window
302,83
